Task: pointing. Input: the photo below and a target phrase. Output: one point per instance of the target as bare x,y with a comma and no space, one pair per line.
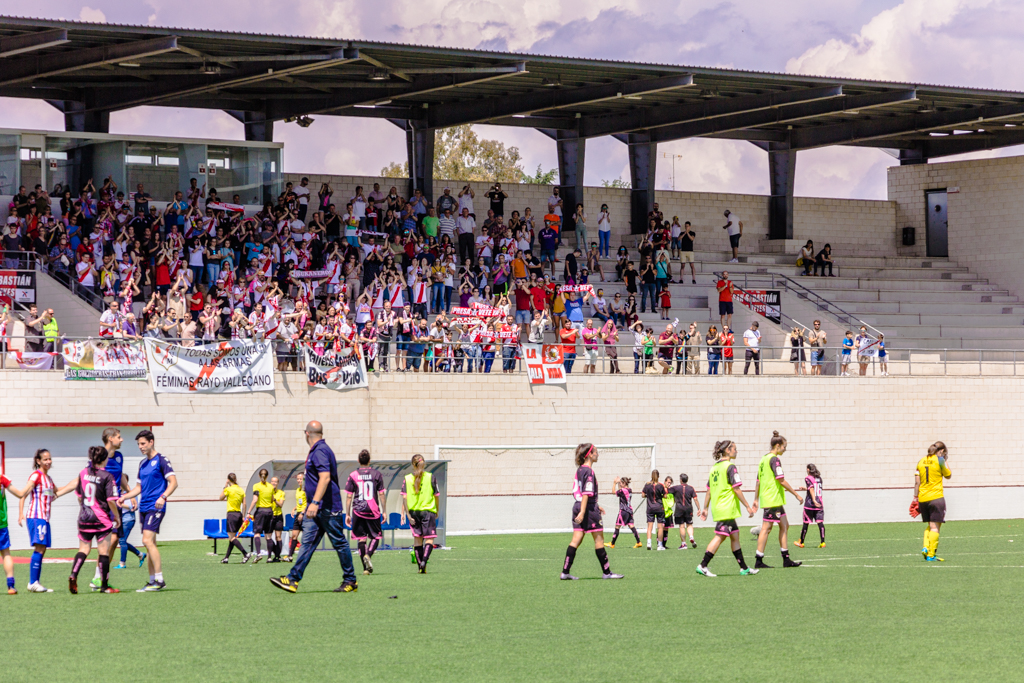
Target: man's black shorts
684,515
933,510
263,521
365,528
234,522
724,308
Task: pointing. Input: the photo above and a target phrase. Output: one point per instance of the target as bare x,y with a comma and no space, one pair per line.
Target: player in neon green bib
668,502
771,492
723,499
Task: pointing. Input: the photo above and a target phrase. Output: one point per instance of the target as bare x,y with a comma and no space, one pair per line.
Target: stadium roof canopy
89,70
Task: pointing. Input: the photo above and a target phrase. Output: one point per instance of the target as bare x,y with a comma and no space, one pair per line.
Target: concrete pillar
912,157
258,128
643,164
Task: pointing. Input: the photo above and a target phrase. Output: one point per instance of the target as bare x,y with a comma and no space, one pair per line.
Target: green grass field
867,607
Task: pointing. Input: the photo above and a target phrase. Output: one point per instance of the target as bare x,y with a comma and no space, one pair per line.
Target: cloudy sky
975,43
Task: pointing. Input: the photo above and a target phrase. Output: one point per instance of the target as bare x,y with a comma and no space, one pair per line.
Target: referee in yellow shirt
235,496
298,512
263,504
931,470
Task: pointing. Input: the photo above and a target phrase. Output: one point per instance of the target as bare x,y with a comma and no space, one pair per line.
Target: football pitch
866,607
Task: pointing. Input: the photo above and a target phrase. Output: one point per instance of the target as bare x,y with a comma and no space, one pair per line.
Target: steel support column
571,154
643,163
419,144
912,157
78,120
782,173
258,128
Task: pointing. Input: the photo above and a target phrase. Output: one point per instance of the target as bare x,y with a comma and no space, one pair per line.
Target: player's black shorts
277,524
933,510
591,519
668,522
774,514
234,522
363,527
727,527
297,521
423,523
684,515
263,521
655,514
99,535
813,515
625,518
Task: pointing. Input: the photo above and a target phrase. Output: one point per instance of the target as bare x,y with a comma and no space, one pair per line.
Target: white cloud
93,15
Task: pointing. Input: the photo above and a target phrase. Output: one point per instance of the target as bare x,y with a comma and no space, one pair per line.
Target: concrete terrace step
915,296
922,308
883,320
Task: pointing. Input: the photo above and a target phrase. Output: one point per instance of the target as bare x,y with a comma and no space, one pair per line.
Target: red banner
544,363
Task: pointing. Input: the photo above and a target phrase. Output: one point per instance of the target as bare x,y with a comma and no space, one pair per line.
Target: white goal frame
531,447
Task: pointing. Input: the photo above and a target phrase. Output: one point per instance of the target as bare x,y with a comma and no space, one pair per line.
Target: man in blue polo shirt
155,485
324,514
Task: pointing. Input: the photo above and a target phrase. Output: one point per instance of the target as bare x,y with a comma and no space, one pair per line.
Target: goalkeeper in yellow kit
931,470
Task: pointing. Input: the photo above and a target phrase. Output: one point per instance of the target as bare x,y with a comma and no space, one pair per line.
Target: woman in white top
676,231
604,231
806,257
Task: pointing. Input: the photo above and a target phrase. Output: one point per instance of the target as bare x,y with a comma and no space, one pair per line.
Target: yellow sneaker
822,545
639,545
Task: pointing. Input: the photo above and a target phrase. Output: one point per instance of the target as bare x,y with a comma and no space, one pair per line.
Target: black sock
635,534
602,559
570,555
738,554
821,530
615,536
759,555
785,555
291,546
708,556
238,544
76,566
231,546
259,544
362,549
419,556
803,533
372,548
427,549
104,570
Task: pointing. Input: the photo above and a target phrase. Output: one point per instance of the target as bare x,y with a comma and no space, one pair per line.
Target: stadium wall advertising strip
100,359
233,367
335,370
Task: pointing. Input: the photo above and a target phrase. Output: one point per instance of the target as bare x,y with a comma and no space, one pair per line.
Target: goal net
537,470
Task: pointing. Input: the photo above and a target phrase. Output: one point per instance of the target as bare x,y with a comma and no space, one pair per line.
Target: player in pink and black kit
586,513
621,489
97,518
365,487
814,505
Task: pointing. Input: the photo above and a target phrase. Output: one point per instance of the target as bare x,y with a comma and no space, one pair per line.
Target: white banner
544,363
226,368
30,360
310,274
104,359
335,370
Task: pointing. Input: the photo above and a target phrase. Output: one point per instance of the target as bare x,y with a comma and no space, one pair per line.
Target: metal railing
770,360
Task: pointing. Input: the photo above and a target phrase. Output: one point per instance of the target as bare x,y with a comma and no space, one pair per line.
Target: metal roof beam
169,89
882,127
31,68
546,122
755,135
973,142
545,99
30,42
778,115
280,109
652,117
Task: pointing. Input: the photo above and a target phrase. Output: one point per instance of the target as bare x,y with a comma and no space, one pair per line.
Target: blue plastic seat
214,528
396,521
288,520
386,524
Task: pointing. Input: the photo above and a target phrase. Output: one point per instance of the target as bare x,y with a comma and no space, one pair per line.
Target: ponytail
813,471
583,451
418,467
97,454
263,475
936,448
720,448
655,476
233,479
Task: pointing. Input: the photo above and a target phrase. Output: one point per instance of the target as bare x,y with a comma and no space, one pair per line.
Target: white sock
152,578
98,571
160,577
